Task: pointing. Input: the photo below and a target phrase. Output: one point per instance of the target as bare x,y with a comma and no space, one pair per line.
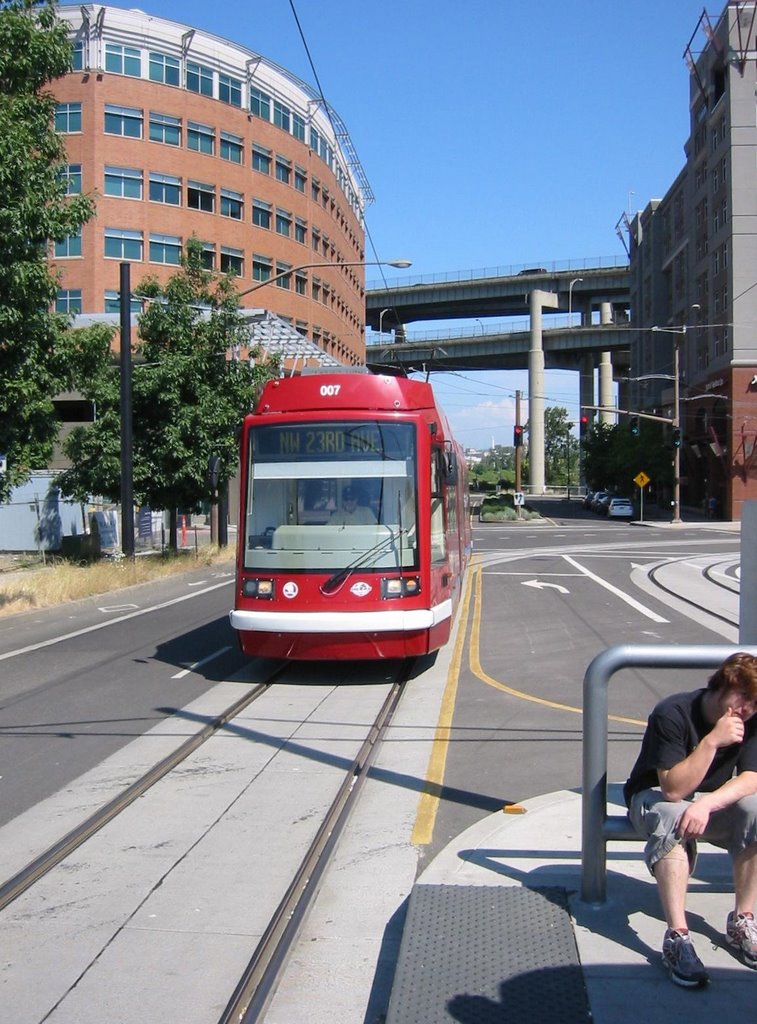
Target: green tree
188,399
560,447
613,456
35,349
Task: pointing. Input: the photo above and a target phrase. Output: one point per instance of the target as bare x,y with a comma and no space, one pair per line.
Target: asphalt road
80,681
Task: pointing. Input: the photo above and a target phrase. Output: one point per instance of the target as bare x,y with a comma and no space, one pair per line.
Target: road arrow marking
540,585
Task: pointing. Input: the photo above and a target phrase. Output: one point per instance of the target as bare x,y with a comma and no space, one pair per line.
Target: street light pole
570,299
403,264
677,426
676,421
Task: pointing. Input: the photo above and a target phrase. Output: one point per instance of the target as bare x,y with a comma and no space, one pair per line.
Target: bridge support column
586,398
605,387
605,368
538,300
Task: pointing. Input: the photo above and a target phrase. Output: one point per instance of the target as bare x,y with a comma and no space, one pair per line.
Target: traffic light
676,437
634,425
518,435
584,423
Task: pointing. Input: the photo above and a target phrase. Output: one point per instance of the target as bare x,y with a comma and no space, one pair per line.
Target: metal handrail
597,829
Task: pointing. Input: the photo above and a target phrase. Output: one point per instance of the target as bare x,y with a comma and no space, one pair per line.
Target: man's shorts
733,829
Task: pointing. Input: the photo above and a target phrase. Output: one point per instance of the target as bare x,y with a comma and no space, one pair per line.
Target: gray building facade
694,273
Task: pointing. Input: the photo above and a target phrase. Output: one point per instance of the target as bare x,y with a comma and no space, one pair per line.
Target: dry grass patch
64,581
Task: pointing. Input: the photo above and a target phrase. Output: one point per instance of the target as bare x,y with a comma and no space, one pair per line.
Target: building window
315,236
199,78
165,129
232,261
285,280
315,139
201,196
232,147
124,182
261,159
125,121
315,190
300,231
301,284
113,302
68,118
300,179
283,223
70,175
165,249
201,137
230,90
165,188
298,127
68,247
208,256
261,214
68,300
260,104
261,268
282,115
283,170
232,204
164,69
123,60
77,56
123,245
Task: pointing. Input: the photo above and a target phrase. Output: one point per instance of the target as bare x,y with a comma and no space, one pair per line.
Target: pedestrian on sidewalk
696,778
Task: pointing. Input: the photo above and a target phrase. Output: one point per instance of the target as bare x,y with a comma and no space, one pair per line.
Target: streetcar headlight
401,586
257,588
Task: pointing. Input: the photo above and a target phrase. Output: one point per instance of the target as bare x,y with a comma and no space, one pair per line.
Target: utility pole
518,448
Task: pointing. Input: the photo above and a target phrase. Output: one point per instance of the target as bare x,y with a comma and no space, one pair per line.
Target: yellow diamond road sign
641,479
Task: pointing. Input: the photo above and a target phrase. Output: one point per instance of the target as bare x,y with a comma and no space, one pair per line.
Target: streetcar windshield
327,496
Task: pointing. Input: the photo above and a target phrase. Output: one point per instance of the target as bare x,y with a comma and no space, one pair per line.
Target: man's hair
739,672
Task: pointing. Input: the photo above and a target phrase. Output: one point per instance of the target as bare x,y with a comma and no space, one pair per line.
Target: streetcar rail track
653,576
37,868
257,985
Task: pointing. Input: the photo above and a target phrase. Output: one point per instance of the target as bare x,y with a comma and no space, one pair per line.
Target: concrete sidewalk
617,944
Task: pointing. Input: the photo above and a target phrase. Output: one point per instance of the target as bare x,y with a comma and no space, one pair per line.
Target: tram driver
351,513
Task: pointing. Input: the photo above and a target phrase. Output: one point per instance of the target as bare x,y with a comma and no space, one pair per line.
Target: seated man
696,778
352,514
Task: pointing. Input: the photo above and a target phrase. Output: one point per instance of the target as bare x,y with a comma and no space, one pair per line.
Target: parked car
600,502
620,508
588,498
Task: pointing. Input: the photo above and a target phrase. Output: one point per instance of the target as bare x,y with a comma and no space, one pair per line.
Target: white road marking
618,593
203,661
110,622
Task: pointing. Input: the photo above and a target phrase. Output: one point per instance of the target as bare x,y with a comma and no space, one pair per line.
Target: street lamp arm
402,264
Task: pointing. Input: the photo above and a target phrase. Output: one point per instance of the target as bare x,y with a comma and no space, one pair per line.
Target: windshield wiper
333,583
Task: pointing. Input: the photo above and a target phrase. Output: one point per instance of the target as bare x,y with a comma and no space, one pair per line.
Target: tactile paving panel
488,955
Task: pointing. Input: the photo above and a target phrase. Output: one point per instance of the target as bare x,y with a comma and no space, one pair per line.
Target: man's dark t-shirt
675,727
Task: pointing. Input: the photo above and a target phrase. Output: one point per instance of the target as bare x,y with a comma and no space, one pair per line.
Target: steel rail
257,985
45,862
652,574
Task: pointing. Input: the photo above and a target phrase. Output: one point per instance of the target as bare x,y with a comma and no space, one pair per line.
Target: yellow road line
428,804
476,668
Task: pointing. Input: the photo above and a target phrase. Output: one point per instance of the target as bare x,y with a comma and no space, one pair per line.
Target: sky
492,132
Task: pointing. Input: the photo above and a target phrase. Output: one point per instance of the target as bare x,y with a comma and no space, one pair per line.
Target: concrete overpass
487,294
600,295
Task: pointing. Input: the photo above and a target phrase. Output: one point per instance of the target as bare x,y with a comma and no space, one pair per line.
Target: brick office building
182,133
694,273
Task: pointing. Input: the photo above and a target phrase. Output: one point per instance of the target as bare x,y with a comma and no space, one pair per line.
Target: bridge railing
509,270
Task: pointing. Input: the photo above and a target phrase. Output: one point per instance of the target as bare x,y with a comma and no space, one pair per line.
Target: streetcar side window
438,533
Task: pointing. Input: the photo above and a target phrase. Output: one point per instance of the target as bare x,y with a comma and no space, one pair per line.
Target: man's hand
728,729
693,821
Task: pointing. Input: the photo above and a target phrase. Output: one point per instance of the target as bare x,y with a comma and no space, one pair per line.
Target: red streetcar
354,527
